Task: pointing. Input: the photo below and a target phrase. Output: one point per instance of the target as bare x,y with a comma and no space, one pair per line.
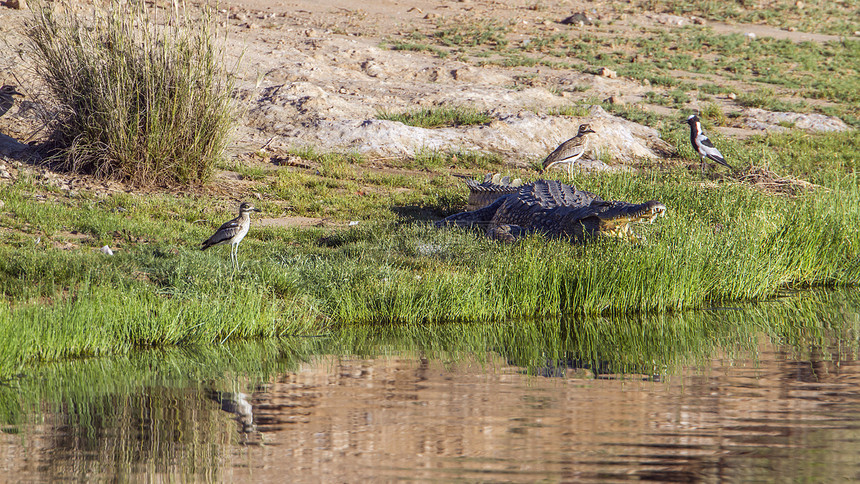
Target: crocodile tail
479,217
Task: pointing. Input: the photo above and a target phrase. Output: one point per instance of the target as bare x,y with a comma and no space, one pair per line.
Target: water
767,393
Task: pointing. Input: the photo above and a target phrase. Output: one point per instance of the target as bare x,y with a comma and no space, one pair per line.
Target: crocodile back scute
482,194
550,194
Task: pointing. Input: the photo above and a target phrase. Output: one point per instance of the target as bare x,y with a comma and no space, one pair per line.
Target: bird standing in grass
702,144
6,99
571,150
232,232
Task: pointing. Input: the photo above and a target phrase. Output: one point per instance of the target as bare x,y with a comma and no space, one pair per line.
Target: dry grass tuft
768,181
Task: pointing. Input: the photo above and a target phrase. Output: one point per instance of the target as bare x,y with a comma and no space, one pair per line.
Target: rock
755,118
673,20
732,95
750,35
615,100
16,4
438,74
2,204
106,250
372,68
606,72
579,18
477,75
518,136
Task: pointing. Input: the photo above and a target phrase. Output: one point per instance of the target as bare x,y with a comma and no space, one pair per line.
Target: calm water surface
767,393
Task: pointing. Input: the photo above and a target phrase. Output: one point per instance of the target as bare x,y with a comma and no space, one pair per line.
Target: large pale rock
755,118
520,138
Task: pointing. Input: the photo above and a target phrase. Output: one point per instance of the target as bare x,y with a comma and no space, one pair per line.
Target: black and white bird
702,144
232,232
571,150
6,98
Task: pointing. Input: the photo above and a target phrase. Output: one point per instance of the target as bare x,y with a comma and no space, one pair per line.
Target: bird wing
706,148
224,233
572,148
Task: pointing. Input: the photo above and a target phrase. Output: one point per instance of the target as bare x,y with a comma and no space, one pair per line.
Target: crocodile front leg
506,232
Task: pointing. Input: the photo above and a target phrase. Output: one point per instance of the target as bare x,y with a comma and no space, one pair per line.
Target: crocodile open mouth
619,224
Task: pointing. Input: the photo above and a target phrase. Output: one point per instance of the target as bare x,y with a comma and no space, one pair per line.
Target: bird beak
16,92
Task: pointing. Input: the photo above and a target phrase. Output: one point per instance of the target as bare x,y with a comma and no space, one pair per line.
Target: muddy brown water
785,409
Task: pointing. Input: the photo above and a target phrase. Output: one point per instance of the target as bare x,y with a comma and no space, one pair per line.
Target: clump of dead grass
768,181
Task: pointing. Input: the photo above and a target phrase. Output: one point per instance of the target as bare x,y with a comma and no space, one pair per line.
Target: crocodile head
615,218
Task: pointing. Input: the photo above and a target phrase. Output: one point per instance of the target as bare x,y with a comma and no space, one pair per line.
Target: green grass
771,69
713,113
438,117
574,110
417,47
472,34
675,98
821,16
719,242
709,88
766,98
144,103
632,112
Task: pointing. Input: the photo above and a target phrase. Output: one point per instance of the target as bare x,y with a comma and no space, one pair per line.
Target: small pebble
106,250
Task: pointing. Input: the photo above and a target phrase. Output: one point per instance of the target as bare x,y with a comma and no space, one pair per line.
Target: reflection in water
238,404
767,393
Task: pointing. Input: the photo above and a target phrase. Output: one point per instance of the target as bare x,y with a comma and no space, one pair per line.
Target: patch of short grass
142,102
709,88
766,98
674,98
364,195
245,170
572,110
822,16
418,47
633,112
713,113
471,34
434,160
439,117
805,154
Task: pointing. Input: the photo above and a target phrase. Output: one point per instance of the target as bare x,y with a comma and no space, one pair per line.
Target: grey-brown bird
6,98
232,232
571,150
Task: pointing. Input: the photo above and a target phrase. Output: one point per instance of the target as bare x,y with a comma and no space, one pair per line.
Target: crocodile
551,208
486,192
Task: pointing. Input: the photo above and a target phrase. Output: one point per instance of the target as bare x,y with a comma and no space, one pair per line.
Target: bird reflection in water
239,405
